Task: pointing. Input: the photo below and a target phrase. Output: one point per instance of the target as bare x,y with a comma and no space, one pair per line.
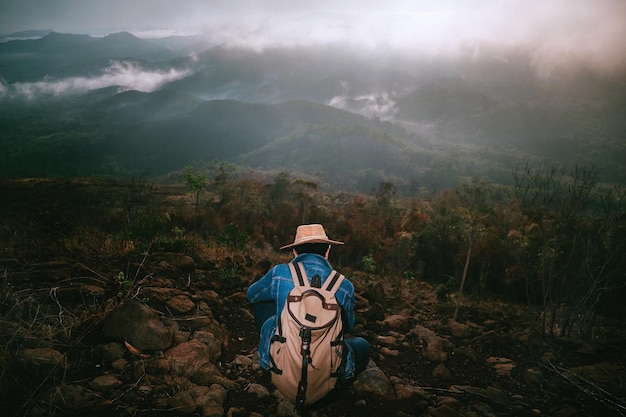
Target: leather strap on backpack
334,281
298,274
300,278
305,335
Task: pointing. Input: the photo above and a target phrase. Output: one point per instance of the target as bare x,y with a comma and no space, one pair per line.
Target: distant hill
339,116
214,130
25,34
343,157
62,55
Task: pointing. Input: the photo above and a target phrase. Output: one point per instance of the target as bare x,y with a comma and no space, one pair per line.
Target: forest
555,239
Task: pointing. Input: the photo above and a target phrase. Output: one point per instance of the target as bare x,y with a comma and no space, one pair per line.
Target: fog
126,76
560,32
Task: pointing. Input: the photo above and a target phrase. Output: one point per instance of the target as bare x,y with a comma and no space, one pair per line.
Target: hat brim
311,240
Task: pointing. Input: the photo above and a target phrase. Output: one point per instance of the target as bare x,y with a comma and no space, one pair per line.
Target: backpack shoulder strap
298,274
333,282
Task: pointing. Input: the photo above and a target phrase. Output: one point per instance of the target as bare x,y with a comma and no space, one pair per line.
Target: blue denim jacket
276,284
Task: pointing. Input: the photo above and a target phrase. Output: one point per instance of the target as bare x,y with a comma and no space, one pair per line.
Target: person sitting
311,247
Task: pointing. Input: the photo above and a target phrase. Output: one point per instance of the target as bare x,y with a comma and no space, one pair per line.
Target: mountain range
122,106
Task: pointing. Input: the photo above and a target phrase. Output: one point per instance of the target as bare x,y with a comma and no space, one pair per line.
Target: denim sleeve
345,296
262,289
267,331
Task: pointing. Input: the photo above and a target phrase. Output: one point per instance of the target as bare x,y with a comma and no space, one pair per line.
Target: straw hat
311,233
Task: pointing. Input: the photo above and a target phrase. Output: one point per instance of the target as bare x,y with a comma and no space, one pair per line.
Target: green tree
303,191
196,184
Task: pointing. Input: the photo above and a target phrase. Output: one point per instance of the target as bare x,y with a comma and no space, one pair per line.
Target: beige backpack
307,349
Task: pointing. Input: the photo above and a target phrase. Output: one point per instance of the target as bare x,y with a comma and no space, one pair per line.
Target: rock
385,351
74,396
210,374
232,282
105,383
451,402
497,396
433,344
533,339
181,337
488,337
395,321
386,340
564,411
285,408
139,325
483,410
119,364
213,343
550,358
209,296
489,323
533,377
376,293
180,304
360,404
441,373
258,391
397,335
179,261
503,366
466,352
195,359
183,402
242,361
111,351
161,293
210,399
459,330
480,392
408,392
189,357
374,381
603,373
203,320
443,411
236,411
42,357
569,343
164,265
375,312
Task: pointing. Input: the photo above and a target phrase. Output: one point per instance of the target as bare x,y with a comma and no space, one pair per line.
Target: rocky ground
165,334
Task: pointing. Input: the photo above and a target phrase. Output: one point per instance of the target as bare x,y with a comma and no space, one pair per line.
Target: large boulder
435,347
140,325
374,381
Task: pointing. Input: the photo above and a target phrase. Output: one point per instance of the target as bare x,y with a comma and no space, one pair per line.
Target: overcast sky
593,31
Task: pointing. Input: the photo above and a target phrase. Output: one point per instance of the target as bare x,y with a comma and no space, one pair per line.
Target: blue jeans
262,312
361,349
359,345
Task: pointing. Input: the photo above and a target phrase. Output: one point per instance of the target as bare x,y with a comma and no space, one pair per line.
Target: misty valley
124,107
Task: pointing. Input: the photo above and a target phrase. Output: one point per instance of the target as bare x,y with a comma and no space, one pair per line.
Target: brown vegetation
538,323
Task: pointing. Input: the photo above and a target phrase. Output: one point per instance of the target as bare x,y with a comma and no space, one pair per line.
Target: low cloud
127,76
372,105
559,33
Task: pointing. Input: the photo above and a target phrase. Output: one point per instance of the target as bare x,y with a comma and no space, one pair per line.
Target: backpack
307,349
